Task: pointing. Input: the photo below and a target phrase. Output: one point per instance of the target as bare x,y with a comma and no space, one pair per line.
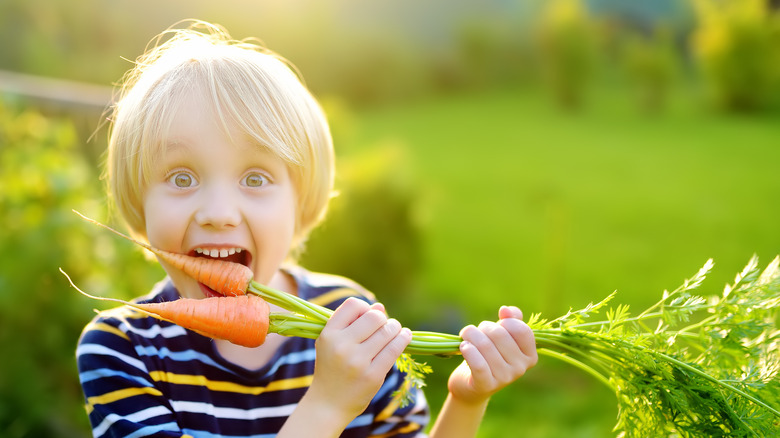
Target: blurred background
541,153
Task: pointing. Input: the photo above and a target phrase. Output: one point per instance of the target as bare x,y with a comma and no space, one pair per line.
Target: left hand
495,354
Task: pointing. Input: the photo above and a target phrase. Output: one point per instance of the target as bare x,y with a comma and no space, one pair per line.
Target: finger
509,312
480,340
504,343
380,307
387,356
510,362
381,337
347,313
522,335
480,369
366,325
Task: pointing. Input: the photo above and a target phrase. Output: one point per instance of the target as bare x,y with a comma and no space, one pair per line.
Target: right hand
355,351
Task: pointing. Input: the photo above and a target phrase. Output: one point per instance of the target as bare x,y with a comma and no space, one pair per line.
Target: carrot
242,320
227,278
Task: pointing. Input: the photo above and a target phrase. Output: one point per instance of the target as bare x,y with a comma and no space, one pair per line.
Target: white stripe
203,434
136,417
153,429
233,413
167,332
84,349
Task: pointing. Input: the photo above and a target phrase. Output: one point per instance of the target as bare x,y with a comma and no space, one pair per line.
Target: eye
255,180
182,179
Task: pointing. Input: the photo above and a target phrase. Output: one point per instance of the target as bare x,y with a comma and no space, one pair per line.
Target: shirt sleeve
120,397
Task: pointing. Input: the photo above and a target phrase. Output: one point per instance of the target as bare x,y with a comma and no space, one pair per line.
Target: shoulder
125,326
327,290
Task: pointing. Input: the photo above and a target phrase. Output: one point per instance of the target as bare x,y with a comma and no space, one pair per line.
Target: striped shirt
146,377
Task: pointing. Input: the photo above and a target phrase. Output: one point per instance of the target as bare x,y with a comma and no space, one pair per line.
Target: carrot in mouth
225,277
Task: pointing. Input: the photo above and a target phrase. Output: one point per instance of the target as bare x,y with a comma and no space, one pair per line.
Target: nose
218,208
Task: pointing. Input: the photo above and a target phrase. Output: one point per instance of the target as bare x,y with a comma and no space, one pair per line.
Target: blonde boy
218,150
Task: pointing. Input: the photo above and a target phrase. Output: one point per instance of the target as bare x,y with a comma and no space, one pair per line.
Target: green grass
527,205
550,210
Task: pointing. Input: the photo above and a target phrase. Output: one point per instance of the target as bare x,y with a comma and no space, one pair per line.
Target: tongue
209,292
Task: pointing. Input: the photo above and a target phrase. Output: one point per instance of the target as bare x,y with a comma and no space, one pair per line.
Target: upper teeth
224,252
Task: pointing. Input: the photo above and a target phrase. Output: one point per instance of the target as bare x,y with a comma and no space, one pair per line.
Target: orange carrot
242,320
227,278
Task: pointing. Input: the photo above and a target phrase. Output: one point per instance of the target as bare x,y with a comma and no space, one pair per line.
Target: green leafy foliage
688,365
566,38
652,64
39,172
737,45
43,175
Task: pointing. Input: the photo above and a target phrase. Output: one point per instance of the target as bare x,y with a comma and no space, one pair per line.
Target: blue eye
182,179
255,180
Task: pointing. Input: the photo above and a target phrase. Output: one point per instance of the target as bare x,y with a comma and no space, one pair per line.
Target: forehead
209,107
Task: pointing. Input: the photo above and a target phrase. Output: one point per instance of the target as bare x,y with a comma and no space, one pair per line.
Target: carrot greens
687,366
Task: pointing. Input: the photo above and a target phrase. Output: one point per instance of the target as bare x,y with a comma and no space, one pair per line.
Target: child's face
208,194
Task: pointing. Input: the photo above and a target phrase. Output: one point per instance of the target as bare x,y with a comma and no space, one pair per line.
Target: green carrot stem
574,362
308,320
437,336
572,351
293,324
290,302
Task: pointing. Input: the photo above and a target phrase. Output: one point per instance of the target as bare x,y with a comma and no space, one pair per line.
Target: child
218,150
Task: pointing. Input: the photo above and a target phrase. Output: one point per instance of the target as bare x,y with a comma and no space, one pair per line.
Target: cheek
162,222
293,219
274,227
285,216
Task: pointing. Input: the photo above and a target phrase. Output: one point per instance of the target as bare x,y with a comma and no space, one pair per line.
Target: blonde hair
248,86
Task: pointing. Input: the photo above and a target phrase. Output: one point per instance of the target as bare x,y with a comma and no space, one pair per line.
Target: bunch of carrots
661,386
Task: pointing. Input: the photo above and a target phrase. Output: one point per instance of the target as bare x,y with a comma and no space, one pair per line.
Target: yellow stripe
121,312
216,385
119,394
388,411
103,327
138,314
411,427
337,294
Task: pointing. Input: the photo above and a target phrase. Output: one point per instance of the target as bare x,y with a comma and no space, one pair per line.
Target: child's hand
496,354
355,351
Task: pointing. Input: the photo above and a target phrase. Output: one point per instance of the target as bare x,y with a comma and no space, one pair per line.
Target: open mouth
228,254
